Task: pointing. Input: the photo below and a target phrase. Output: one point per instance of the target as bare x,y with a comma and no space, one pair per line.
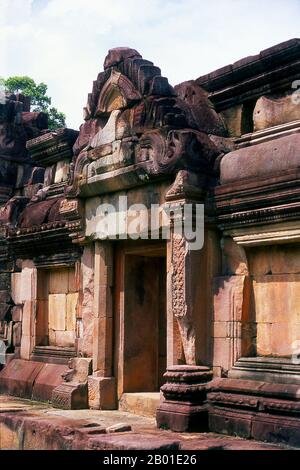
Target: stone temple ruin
93,323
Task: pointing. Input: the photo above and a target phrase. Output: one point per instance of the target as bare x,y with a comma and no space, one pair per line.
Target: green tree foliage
40,101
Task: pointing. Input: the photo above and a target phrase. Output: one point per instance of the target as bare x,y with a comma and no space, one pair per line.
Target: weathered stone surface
252,409
17,313
65,339
18,377
117,55
57,311
49,377
86,133
59,281
235,259
271,111
102,393
184,406
17,334
87,304
200,111
79,370
108,134
62,171
154,144
233,119
263,159
143,404
231,306
9,439
133,442
70,396
276,331
72,302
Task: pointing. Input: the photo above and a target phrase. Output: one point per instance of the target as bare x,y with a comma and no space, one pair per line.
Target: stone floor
30,425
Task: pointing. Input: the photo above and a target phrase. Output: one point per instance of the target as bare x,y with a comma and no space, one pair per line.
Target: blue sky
64,42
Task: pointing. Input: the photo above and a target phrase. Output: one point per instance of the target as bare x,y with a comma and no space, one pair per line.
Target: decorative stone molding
184,406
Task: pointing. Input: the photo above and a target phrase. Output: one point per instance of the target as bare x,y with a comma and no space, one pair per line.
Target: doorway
140,313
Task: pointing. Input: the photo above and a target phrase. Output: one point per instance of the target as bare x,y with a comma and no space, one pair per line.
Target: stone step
141,403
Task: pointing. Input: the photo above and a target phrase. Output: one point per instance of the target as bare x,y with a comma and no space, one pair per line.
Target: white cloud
64,42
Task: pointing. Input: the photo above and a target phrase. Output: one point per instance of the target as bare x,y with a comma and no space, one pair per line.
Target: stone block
285,259
16,282
73,284
102,393
18,377
28,283
231,423
17,333
221,351
254,161
131,441
42,284
281,339
59,281
102,341
277,300
264,339
276,429
233,119
28,318
72,300
70,396
143,404
231,298
41,326
219,329
62,171
57,311
81,368
108,133
235,259
259,261
9,438
52,337
17,313
49,378
26,346
272,111
65,339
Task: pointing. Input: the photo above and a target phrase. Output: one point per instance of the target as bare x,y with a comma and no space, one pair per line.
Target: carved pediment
117,93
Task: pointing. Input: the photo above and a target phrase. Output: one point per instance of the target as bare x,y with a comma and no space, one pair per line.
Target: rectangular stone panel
65,339
57,311
276,306
59,281
72,300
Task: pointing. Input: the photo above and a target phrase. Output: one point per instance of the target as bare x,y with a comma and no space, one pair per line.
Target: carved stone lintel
184,406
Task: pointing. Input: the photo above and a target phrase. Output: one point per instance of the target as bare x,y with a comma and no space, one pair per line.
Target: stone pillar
101,385
26,283
184,405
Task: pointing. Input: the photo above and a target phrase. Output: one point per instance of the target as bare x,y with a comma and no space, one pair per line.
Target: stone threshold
27,425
